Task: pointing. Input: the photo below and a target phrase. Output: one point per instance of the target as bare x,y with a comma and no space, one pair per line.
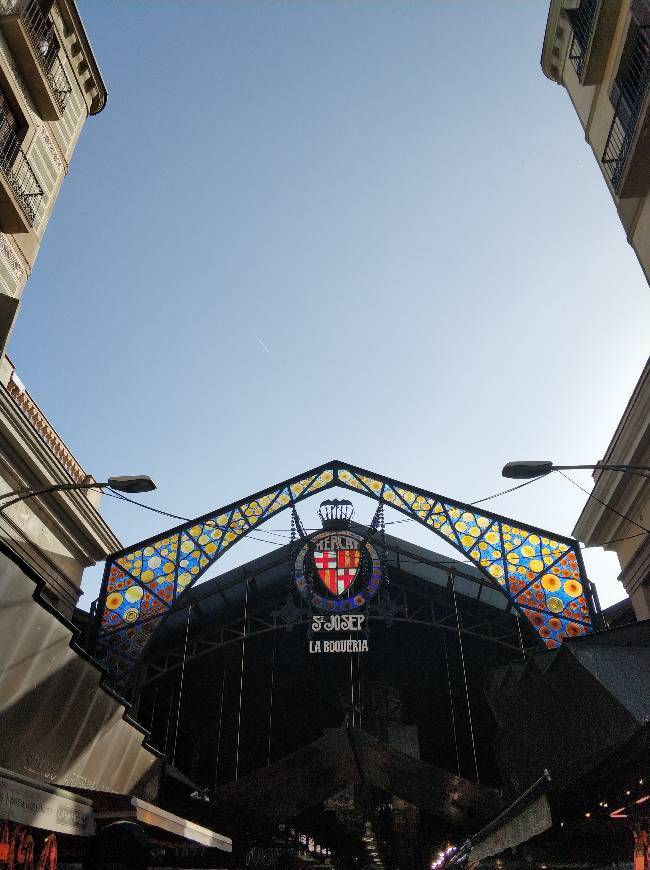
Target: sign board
48,808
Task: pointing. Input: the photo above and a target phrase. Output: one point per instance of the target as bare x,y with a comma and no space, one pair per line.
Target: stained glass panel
541,575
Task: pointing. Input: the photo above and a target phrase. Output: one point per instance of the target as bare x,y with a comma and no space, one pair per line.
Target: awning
115,806
41,805
149,814
526,817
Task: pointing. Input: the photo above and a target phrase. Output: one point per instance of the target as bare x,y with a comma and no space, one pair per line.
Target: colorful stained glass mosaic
541,575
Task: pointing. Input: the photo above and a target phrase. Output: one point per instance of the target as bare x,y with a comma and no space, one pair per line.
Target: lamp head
137,483
526,470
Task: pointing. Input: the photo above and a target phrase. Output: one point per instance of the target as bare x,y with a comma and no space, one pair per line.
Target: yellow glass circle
573,588
134,593
551,583
131,614
114,600
536,565
554,604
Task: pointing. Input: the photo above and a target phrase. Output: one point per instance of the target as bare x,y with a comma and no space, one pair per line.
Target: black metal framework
628,96
432,606
15,166
45,44
582,21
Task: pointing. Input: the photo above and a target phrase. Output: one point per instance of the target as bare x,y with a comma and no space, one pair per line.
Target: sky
301,230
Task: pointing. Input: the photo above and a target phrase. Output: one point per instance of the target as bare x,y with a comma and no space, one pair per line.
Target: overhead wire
605,505
506,491
285,532
115,494
180,688
268,749
451,703
241,680
462,660
223,686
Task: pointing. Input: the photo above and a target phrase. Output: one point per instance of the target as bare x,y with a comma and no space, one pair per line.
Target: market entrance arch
540,573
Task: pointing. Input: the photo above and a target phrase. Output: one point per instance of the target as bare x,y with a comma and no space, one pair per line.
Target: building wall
48,146
60,534
621,529
595,109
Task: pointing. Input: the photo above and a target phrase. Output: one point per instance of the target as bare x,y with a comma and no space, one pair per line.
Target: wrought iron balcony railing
582,21
629,94
60,83
17,170
44,43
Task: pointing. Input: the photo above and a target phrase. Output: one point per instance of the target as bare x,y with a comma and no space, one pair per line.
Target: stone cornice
83,60
637,571
630,445
72,511
556,40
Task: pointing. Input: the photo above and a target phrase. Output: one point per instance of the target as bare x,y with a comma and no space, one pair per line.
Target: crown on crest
336,513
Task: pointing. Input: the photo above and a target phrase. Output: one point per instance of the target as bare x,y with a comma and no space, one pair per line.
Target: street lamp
130,484
528,469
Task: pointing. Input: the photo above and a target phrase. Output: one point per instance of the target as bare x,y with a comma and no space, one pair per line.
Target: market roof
346,756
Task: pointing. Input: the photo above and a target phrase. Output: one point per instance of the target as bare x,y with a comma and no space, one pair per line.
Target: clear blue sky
332,228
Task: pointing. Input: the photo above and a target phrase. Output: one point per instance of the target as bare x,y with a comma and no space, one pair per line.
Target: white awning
41,805
149,814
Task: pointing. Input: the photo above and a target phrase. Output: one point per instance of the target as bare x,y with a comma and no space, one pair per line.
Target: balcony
582,21
626,158
20,191
593,23
35,47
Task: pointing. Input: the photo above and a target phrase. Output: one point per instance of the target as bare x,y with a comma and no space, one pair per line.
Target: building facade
49,85
60,726
599,50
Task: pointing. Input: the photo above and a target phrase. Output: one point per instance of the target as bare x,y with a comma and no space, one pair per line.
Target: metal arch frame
428,608
176,559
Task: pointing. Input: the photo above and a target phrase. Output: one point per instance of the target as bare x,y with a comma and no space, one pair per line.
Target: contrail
261,342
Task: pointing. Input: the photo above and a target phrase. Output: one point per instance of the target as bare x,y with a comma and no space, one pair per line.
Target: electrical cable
153,709
506,491
115,494
451,702
613,541
268,752
180,688
521,639
605,505
223,686
241,681
462,659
